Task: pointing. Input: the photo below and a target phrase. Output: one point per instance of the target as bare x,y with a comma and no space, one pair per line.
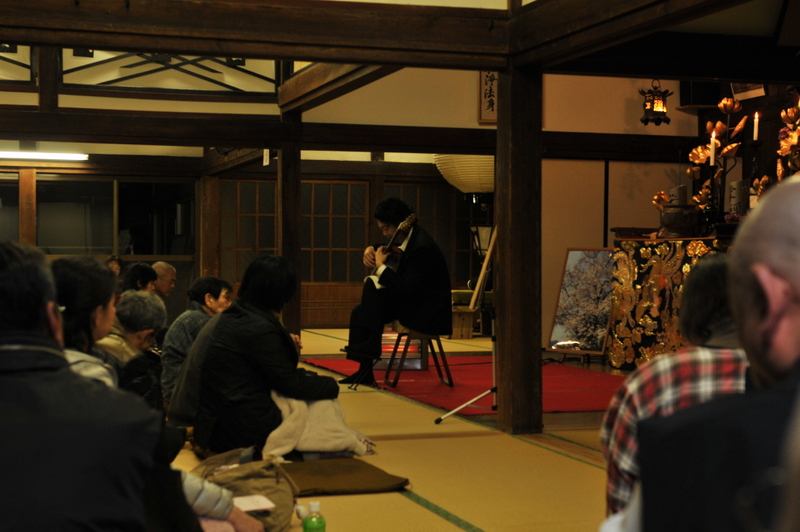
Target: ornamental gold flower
719,128
790,115
696,248
694,172
789,143
729,106
761,185
739,127
660,199
729,150
700,154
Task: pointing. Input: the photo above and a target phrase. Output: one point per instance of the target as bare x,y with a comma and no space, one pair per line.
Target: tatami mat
383,511
464,475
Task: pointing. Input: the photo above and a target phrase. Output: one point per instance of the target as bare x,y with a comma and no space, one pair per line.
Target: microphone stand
478,301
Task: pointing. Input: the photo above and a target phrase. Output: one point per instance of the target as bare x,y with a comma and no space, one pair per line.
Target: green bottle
314,522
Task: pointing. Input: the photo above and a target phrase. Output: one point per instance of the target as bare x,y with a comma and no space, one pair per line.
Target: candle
755,127
713,146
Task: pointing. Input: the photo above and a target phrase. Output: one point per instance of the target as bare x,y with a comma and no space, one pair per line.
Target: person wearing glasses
140,315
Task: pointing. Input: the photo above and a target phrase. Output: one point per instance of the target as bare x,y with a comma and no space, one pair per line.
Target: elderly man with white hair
167,275
718,466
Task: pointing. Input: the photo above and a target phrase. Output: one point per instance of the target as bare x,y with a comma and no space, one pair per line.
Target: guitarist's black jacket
419,287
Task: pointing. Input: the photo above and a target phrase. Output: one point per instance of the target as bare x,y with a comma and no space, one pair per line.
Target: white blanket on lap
313,426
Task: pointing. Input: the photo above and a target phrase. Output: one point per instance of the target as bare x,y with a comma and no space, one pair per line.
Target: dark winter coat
249,354
420,286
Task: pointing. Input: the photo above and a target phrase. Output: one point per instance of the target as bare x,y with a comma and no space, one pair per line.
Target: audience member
81,283
207,296
671,382
248,354
114,264
85,290
139,315
788,516
139,276
711,466
167,276
78,454
415,291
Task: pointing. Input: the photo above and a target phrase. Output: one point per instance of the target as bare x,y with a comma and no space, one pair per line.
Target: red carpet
566,388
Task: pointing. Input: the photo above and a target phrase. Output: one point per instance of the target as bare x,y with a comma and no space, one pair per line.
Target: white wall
409,97
572,217
584,104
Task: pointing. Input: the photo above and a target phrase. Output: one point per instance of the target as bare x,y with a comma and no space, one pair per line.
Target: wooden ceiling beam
323,82
352,137
146,129
255,134
553,31
671,55
243,131
296,29
216,161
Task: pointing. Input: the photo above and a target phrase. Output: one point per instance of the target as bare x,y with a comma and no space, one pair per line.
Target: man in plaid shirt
675,381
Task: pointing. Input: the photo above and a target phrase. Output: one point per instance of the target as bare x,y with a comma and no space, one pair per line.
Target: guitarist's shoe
363,376
355,378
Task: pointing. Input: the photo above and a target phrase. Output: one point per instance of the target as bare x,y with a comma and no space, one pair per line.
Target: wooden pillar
210,223
27,206
48,72
377,193
517,263
289,216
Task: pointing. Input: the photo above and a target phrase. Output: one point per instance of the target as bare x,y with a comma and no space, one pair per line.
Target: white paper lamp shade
468,173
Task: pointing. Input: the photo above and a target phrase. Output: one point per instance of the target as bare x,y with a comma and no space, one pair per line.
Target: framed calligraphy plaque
487,97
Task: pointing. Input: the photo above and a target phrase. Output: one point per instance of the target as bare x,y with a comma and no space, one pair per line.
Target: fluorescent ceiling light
44,156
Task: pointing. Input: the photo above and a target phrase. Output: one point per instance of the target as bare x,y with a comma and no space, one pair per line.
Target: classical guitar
404,226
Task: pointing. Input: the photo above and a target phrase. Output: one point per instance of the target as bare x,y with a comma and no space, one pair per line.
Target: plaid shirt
664,385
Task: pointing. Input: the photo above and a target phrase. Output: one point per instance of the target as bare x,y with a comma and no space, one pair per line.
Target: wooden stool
425,340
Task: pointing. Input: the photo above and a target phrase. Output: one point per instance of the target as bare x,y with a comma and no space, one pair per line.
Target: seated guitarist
413,286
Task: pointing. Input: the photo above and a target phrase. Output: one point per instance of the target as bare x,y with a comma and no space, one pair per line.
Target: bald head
765,282
166,278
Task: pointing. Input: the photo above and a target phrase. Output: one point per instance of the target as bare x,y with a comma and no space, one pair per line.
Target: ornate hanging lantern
655,104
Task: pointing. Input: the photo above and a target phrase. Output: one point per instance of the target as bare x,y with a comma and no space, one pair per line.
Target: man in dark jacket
411,284
248,355
76,453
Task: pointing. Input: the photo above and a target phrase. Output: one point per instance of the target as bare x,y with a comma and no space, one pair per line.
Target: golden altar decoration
646,288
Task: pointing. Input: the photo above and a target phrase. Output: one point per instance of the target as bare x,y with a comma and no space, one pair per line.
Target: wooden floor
465,474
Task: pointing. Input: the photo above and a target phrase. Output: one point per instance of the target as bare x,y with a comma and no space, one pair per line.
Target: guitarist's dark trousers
367,322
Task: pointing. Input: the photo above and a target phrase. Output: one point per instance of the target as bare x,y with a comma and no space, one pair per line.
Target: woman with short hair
248,355
208,296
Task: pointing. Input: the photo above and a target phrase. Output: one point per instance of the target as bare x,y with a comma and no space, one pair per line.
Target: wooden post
517,257
210,223
288,193
48,72
377,193
27,206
